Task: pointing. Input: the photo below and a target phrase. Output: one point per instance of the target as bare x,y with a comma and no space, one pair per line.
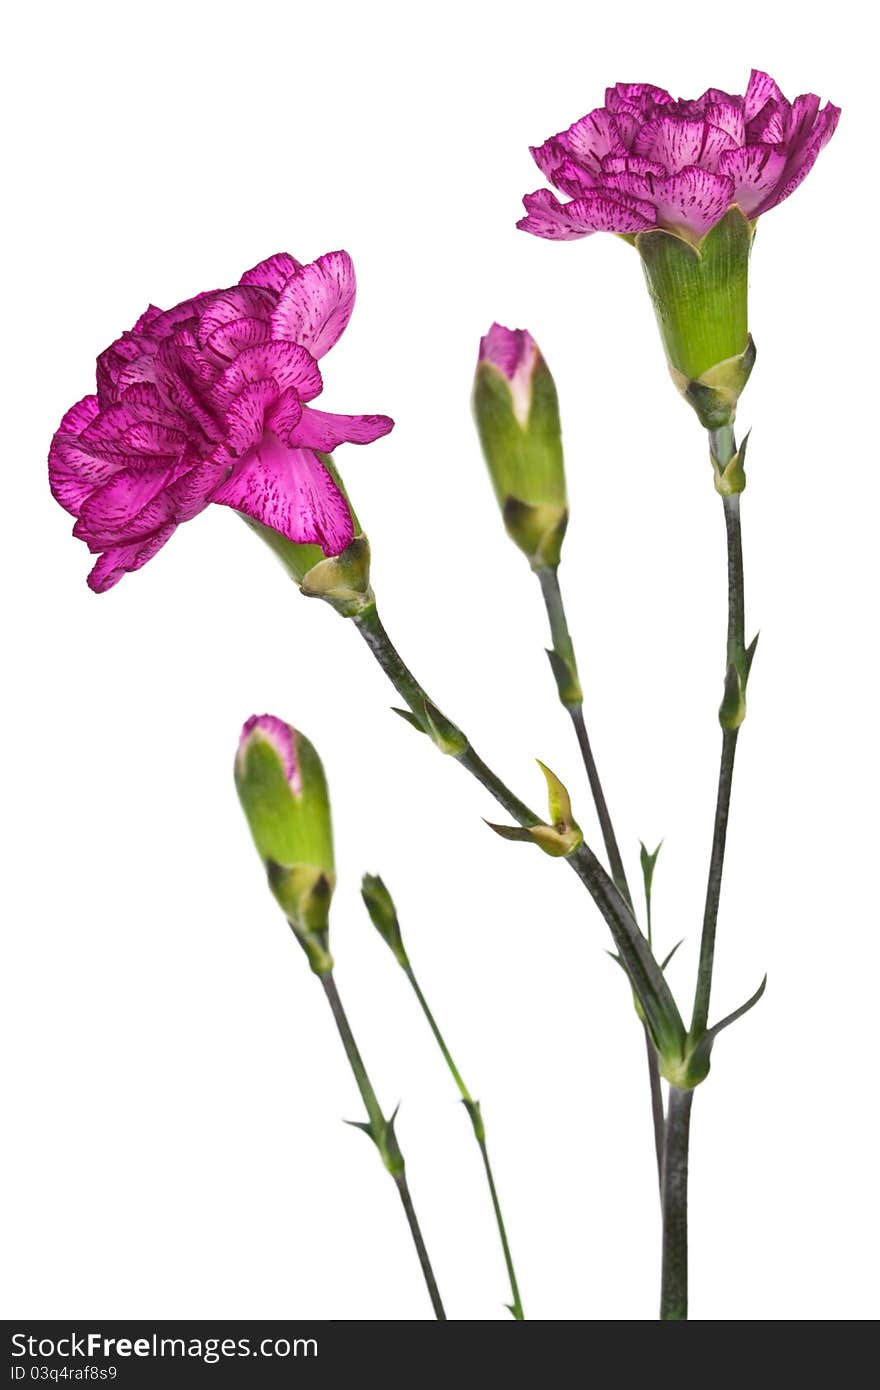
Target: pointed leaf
668,958
558,799
509,832
410,718
738,1013
700,1057
566,678
446,735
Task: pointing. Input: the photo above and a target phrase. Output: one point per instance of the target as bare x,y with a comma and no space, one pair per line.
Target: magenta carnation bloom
644,160
210,402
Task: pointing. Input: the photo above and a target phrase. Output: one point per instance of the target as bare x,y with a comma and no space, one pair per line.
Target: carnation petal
129,506
599,211
755,171
273,273
316,304
231,338
677,144
287,364
246,415
760,90
548,156
694,199
125,559
728,116
631,164
318,429
801,161
770,124
241,302
574,180
291,492
191,493
593,137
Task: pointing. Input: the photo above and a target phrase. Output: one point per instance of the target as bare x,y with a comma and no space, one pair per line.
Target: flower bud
283,792
383,915
517,414
341,580
699,290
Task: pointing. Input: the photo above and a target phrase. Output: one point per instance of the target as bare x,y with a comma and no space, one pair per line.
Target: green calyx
700,295
523,452
304,894
342,580
537,528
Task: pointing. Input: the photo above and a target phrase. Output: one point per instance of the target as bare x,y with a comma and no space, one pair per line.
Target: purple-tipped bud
515,353
517,414
280,736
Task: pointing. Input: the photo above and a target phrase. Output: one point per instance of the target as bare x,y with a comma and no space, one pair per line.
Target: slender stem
564,649
723,446
674,1287
441,1042
571,696
713,888
364,1085
476,1117
516,1306
657,1116
379,1129
418,1241
661,1012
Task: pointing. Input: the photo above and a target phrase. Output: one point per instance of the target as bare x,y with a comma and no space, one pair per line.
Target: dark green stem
563,648
713,888
571,696
473,1108
674,1286
723,447
383,1136
661,1012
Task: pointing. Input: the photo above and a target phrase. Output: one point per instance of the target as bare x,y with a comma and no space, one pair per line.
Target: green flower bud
383,915
517,414
283,792
700,295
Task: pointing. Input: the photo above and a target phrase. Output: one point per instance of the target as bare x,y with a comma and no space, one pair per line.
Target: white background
175,1139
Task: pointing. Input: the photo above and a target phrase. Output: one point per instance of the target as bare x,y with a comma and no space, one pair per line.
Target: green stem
674,1290
563,647
571,696
661,1012
723,446
700,1017
473,1108
674,1285
382,1134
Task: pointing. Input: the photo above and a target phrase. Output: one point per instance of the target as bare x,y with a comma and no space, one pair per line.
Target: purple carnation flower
210,402
644,160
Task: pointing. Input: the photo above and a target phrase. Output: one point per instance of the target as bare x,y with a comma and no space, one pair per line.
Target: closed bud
517,414
383,915
283,792
699,289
